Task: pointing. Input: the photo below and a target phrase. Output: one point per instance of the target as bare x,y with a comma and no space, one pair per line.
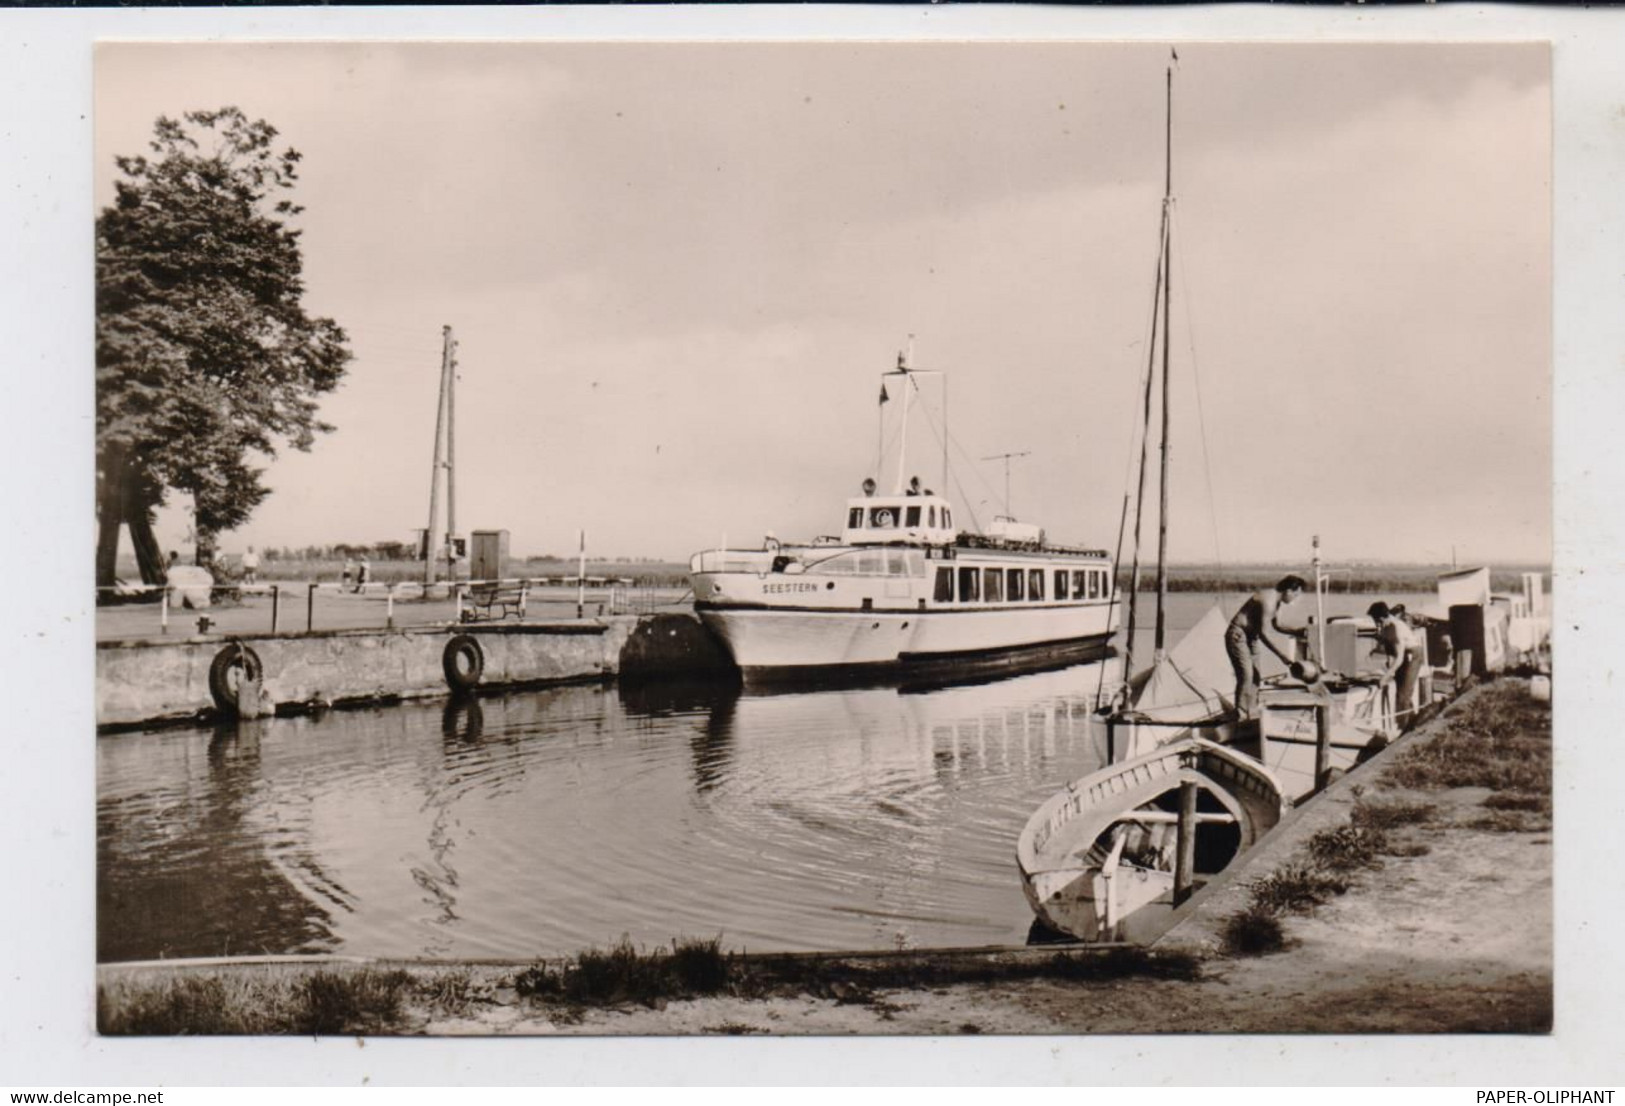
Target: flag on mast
883,396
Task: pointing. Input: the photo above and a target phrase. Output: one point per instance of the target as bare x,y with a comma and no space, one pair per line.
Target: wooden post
389,607
163,610
430,553
451,456
1185,864
1323,744
276,595
310,608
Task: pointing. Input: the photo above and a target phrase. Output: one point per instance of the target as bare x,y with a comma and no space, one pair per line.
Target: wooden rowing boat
1104,846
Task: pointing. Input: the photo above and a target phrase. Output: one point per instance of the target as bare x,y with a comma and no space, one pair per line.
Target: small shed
490,561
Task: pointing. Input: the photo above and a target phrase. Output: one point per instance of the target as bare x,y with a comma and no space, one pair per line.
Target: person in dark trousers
1247,630
1398,642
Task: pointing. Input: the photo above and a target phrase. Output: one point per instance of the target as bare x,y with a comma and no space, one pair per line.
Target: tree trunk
109,517
148,555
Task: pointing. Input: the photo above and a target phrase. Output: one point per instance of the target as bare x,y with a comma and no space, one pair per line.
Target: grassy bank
292,999
1499,741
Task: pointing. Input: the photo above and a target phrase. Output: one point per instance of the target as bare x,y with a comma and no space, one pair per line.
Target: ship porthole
830,585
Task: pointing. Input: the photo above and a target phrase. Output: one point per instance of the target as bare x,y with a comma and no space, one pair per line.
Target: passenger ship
903,587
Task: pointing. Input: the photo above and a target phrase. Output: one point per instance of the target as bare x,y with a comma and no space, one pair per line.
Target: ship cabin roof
899,519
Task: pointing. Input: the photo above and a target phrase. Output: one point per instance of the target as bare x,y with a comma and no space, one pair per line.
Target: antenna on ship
1006,458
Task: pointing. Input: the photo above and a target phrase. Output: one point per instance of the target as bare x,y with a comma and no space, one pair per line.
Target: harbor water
548,821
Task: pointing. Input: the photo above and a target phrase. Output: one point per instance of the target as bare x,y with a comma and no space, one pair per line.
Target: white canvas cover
1468,588
1194,682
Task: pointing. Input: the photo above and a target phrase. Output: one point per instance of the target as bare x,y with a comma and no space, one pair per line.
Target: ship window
914,563
1096,578
1060,583
1080,584
872,562
1035,584
854,518
993,585
947,518
913,518
883,518
970,590
1014,578
931,517
945,585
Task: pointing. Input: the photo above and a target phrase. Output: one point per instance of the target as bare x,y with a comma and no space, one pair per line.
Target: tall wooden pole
451,456
1167,313
430,554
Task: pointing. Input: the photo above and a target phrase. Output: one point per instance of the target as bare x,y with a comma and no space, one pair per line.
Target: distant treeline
1358,578
313,562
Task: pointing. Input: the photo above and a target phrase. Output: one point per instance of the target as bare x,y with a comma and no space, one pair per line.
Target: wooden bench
497,600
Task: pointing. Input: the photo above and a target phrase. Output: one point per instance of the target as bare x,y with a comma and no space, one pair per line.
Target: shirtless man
1247,630
1403,651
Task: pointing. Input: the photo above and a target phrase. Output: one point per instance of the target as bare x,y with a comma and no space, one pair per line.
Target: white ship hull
764,641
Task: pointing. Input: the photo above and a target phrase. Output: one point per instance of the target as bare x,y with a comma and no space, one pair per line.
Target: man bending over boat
1247,630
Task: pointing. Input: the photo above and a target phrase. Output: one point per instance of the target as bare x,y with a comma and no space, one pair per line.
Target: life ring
230,667
463,662
883,519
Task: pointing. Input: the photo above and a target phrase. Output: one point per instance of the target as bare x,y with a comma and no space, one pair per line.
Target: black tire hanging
464,663
230,667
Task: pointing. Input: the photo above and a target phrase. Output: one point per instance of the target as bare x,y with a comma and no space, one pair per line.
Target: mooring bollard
275,598
310,608
1323,745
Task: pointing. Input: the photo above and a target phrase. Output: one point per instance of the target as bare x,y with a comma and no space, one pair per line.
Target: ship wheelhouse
899,519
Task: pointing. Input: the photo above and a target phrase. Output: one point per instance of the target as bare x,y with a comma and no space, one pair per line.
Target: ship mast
1167,313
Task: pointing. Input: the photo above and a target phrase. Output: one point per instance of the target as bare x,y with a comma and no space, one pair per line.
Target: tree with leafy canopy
205,357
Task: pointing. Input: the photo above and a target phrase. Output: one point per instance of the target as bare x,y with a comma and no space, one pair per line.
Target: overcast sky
676,271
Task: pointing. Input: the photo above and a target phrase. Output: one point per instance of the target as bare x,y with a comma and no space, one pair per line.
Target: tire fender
463,661
232,665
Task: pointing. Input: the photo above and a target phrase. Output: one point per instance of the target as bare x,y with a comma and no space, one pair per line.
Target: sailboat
1127,836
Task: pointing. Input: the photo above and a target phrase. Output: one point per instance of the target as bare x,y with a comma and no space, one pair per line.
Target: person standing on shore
1246,630
349,572
251,566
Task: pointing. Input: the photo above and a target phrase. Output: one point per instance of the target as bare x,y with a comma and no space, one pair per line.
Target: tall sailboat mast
1167,312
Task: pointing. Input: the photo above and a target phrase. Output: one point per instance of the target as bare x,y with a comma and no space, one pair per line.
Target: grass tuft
1297,889
621,974
1388,814
322,1003
1348,848
1253,932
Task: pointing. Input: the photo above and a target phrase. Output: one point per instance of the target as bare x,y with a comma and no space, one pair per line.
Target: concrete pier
154,680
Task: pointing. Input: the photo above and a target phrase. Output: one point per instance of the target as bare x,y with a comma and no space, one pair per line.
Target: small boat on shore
1105,845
